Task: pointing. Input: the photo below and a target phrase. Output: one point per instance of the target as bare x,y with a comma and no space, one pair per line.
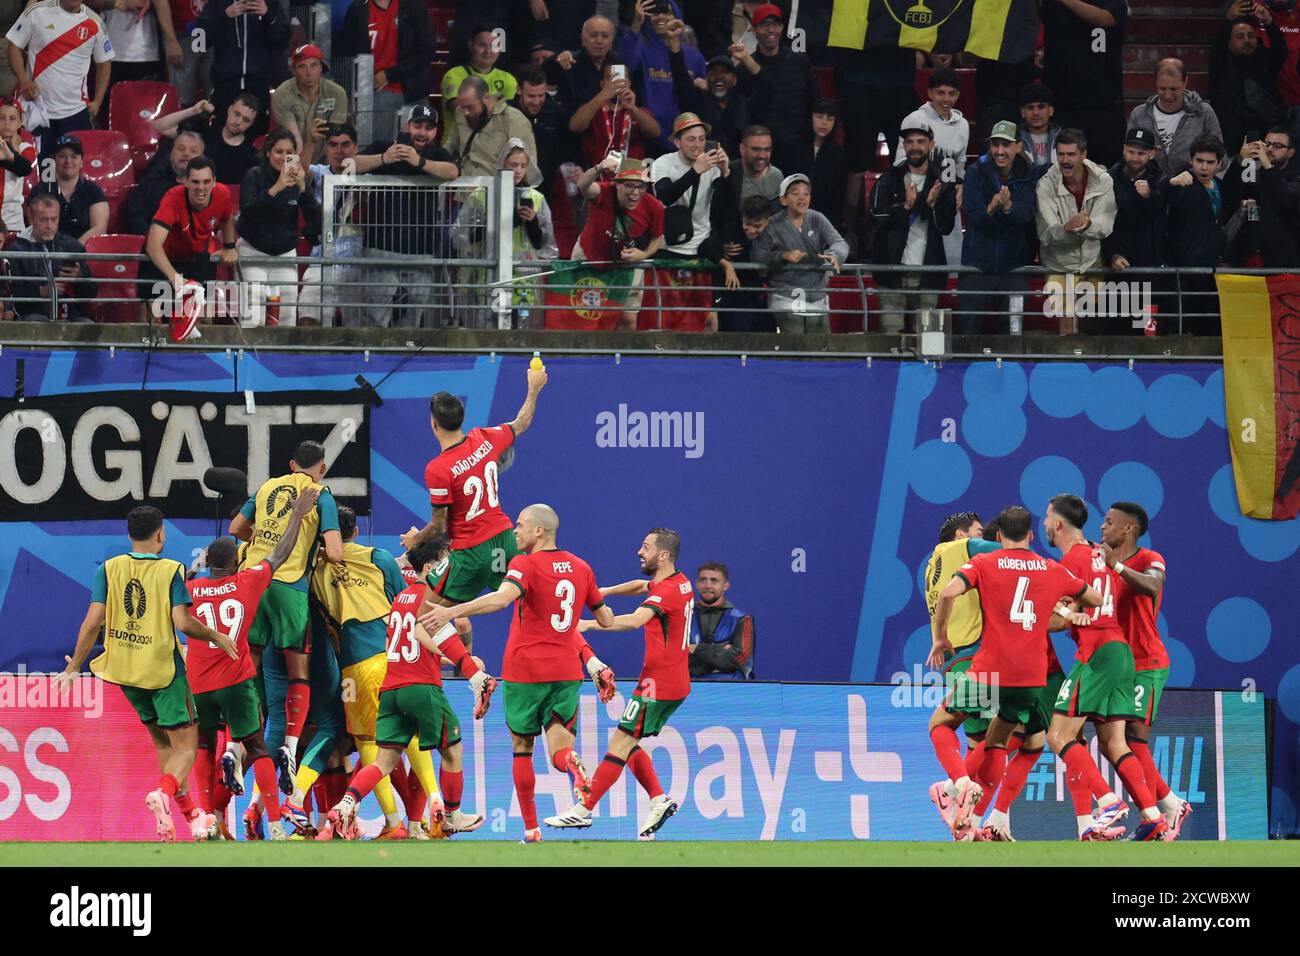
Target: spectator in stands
732,22
685,182
249,40
555,143
625,224
190,76
999,87
484,124
562,20
722,636
85,207
307,103
1137,240
17,157
795,238
754,175
822,160
165,171
998,201
271,198
1263,181
790,74
742,307
1083,63
1037,131
403,56
646,51
724,102
582,78
1075,212
1178,115
484,52
227,137
618,124
1195,232
1244,73
951,138
10,10
32,278
134,29
315,306
912,208
57,88
1287,17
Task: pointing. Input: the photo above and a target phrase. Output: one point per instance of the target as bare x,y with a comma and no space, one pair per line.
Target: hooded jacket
415,44
1002,241
951,137
891,221
648,54
532,240
477,150
248,47
1027,144
1199,119
1073,252
1139,230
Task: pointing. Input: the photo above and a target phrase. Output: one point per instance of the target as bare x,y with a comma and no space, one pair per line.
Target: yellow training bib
139,640
353,590
272,506
967,621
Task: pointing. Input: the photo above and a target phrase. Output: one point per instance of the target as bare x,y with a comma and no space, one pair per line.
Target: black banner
100,454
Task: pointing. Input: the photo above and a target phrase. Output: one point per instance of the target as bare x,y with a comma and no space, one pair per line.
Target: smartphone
1252,136
711,145
617,71
291,161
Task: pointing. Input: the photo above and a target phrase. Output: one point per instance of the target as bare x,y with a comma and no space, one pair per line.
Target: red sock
309,799
185,803
453,648
364,781
1013,745
1159,789
992,767
398,777
1017,774
296,703
948,750
415,796
1079,771
1129,769
606,776
974,757
337,782
453,788
205,773
268,784
168,784
525,787
220,798
642,766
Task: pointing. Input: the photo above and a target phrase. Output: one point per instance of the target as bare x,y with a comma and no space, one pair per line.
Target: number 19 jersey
544,639
464,479
227,605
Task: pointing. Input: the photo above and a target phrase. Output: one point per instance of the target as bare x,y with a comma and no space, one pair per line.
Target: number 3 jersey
464,479
1086,562
227,605
544,642
666,674
1017,591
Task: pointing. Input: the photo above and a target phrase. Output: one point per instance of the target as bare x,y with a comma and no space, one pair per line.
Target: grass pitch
469,852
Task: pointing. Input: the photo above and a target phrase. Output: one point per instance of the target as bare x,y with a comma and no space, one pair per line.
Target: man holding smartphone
308,103
248,39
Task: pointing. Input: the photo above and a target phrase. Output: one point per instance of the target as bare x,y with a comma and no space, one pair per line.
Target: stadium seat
443,20
116,301
108,161
234,195
133,105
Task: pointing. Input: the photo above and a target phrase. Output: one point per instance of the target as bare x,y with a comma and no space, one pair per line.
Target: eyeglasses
633,185
1276,145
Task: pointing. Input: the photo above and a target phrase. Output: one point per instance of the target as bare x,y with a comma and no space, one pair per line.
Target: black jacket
1195,233
891,220
1243,90
724,204
555,144
270,223
728,122
829,174
415,44
27,276
788,112
1273,235
1139,230
147,194
409,221
247,47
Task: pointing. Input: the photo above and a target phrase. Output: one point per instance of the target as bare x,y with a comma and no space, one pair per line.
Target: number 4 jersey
666,674
227,605
544,642
464,479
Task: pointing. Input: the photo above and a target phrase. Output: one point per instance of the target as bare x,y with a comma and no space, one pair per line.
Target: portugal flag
992,29
1261,382
583,297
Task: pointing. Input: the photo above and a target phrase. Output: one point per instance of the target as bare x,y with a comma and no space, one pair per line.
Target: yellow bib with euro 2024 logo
967,621
353,590
139,639
273,505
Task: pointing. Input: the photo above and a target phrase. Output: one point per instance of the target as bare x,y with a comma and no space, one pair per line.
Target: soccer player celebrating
412,704
281,620
462,483
225,691
1005,680
1101,686
139,599
542,667
1140,586
664,684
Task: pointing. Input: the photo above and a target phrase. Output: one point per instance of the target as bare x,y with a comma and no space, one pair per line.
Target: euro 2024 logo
275,507
134,603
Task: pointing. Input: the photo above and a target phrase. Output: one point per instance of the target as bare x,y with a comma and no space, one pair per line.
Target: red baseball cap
308,51
766,11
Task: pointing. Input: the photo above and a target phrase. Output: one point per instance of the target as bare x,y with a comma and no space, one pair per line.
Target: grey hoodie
780,236
1198,120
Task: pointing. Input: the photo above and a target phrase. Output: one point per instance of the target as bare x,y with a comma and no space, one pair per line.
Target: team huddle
987,593
305,647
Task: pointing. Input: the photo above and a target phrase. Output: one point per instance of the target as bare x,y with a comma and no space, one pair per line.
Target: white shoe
577,817
646,837
275,831
203,826
661,808
458,821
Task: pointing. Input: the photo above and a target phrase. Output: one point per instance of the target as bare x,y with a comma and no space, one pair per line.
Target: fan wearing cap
645,49
29,278
951,134
1138,237
795,238
724,98
308,103
790,74
85,207
684,181
912,209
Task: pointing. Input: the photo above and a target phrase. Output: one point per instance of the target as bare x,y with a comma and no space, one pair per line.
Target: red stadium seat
116,301
133,105
443,20
234,195
108,161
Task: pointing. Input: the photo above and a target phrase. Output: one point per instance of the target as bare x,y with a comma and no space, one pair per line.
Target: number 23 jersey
666,674
544,639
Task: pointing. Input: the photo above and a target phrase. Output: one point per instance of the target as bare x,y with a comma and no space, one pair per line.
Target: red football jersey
1017,591
409,662
464,478
1138,613
544,640
409,575
666,671
227,605
193,232
1087,563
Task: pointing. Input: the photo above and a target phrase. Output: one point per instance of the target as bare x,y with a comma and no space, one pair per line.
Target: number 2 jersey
227,605
544,644
1086,562
666,675
1017,591
464,479
1138,613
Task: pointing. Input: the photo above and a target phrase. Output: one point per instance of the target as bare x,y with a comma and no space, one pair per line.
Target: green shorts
281,619
480,568
1041,716
530,708
1101,688
236,706
416,710
974,696
973,726
1149,687
168,707
645,717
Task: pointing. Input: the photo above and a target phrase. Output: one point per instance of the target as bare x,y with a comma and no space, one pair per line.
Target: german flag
1261,383
992,29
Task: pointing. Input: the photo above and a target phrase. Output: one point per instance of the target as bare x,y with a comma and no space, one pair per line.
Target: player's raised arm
623,622
193,628
306,501
639,586
536,382
90,626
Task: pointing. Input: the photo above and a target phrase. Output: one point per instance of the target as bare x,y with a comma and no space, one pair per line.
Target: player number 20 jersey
464,479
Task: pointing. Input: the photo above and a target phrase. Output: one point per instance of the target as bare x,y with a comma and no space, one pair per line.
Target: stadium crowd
689,130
